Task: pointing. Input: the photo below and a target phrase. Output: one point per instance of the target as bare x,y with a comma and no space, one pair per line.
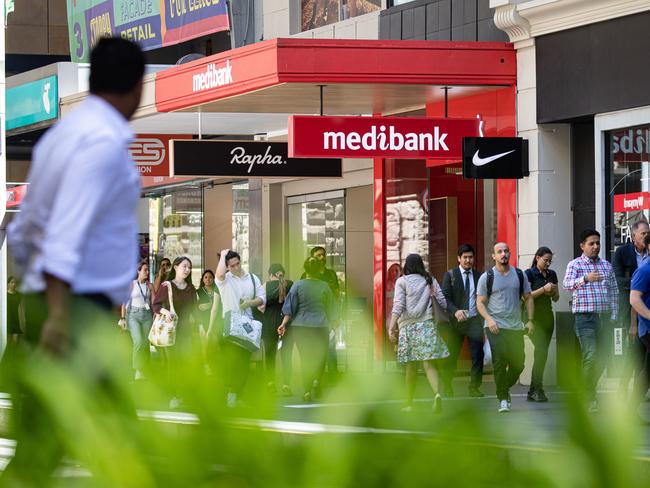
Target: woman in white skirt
418,339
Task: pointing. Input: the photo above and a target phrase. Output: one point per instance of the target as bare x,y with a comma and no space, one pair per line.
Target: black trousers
642,380
507,359
88,383
313,345
541,339
456,334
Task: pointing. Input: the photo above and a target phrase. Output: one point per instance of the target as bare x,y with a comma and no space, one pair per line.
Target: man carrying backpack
499,293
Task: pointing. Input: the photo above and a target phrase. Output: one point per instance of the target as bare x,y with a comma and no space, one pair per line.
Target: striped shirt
599,296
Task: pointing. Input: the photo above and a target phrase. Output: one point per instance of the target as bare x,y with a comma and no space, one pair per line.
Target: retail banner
495,157
631,202
245,159
151,153
390,137
150,23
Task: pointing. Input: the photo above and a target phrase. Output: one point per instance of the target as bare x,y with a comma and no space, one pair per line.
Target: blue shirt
641,282
311,303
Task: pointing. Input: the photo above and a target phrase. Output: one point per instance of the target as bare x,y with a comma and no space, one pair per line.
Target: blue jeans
591,330
139,322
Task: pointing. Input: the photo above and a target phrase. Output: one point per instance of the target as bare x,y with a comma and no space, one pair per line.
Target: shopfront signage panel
495,157
32,102
151,153
15,196
150,23
245,159
632,202
390,137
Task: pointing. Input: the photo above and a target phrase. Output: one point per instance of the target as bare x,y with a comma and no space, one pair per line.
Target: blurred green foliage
90,408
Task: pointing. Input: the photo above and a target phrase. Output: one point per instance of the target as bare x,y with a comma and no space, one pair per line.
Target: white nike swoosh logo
478,161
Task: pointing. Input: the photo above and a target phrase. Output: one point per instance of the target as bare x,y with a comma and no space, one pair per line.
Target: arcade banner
150,23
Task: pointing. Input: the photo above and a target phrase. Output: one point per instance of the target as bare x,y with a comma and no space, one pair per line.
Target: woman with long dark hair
137,317
183,295
207,295
413,327
309,311
277,287
543,283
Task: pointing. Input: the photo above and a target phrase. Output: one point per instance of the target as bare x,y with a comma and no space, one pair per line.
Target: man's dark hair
116,66
465,248
311,266
314,250
231,255
587,233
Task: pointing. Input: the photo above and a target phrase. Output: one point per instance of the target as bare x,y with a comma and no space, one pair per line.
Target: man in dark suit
627,259
459,288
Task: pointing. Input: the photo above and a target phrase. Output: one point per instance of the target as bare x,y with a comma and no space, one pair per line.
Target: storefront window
317,220
240,221
627,174
317,13
175,229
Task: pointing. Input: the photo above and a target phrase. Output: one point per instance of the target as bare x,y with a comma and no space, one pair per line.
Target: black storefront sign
245,159
495,157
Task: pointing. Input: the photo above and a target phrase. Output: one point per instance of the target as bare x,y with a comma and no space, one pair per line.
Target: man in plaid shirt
595,302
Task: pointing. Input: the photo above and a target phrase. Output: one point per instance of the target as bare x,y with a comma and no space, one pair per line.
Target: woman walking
137,318
413,328
14,311
277,288
183,297
207,293
543,283
309,311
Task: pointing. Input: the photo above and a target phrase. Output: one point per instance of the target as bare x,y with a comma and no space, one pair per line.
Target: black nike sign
495,157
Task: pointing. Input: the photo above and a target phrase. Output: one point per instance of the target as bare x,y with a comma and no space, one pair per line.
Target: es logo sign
151,154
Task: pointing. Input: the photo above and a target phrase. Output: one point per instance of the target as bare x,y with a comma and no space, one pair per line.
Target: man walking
627,259
499,294
595,301
640,301
243,292
76,238
459,287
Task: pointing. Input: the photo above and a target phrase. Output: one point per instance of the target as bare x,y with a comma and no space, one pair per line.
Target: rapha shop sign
151,153
631,202
247,159
390,137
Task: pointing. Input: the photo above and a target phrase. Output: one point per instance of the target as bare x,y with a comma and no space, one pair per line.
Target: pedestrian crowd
429,322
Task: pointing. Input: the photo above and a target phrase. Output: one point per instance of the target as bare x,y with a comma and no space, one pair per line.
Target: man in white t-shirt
240,291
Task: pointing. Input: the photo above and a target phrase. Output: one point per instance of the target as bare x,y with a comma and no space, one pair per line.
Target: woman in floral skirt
413,327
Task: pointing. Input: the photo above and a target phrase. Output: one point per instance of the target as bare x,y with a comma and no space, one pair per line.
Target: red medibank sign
631,202
390,137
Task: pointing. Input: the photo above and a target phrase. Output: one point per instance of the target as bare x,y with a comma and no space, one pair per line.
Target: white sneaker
406,409
593,407
503,406
138,375
231,400
175,403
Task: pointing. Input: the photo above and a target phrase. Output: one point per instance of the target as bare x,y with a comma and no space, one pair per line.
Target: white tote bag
163,330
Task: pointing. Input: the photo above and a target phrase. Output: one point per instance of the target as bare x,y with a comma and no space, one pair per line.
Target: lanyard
144,296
